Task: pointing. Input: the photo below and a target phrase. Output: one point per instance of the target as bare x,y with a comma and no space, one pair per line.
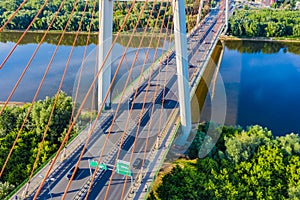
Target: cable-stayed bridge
118,154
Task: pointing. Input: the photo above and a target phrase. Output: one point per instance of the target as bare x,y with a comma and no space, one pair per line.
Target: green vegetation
121,9
249,164
22,159
265,23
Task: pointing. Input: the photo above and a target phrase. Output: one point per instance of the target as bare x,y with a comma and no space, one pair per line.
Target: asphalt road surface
135,145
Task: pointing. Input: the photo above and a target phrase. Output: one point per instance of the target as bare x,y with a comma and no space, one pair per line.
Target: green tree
5,189
243,145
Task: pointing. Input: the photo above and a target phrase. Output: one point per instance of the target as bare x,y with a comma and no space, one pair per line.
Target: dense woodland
21,161
250,164
121,9
265,23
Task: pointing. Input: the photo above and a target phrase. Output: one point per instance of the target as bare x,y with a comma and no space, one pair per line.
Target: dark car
137,163
69,174
146,163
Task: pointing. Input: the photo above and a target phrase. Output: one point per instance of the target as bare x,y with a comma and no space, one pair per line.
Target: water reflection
14,67
263,47
68,39
262,85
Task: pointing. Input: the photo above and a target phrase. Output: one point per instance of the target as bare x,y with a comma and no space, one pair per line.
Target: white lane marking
80,174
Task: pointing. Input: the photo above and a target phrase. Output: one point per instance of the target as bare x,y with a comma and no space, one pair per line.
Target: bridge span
160,96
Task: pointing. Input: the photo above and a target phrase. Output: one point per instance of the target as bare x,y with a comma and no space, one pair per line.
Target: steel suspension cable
83,60
164,93
59,89
19,80
141,114
36,94
31,59
124,54
81,107
153,103
24,33
118,68
123,95
13,15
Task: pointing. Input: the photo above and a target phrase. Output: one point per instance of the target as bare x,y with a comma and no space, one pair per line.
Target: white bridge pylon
105,42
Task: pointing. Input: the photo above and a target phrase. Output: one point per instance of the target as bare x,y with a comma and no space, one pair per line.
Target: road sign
95,163
123,168
103,166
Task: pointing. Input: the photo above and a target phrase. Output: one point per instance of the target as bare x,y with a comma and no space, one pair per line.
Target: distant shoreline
50,32
13,103
261,39
75,32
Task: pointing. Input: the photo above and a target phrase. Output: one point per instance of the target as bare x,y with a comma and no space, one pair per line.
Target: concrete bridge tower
105,42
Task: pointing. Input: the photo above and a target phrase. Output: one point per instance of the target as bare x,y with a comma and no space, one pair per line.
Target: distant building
268,2
297,6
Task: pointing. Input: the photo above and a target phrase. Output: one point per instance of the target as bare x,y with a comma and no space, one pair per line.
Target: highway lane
56,189
139,151
116,187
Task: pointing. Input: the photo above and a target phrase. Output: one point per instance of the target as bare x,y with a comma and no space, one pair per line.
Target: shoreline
73,32
259,39
13,103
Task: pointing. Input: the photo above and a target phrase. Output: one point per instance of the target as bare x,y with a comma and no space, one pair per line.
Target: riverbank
125,33
259,39
13,103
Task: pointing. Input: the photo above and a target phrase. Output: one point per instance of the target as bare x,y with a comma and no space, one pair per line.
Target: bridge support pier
104,42
182,69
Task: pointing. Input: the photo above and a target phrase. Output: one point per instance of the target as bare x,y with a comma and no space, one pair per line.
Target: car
137,163
69,174
146,163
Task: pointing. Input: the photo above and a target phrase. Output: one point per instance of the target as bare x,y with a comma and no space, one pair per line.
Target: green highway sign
123,168
103,166
95,163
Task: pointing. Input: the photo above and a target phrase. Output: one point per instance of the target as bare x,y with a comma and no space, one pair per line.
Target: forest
265,23
243,164
25,152
152,11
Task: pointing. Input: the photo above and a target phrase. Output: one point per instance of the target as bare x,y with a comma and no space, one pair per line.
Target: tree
242,146
5,189
270,169
25,151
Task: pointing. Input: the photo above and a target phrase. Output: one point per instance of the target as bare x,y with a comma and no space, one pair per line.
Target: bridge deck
199,51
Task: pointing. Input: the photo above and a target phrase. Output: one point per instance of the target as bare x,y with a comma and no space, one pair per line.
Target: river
262,81
13,68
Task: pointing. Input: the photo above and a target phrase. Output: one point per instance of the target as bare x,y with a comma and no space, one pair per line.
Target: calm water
261,79
25,92
262,83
